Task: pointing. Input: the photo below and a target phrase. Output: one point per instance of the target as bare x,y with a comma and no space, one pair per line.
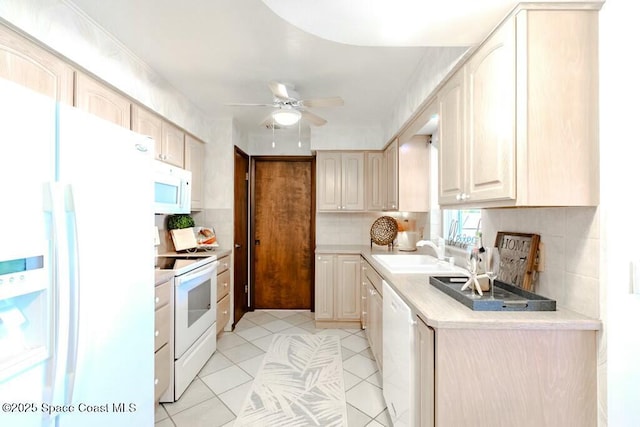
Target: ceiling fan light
286,117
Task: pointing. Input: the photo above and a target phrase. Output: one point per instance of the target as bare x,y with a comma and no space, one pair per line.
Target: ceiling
217,52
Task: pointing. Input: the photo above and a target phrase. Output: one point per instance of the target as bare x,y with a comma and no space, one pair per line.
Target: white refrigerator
76,267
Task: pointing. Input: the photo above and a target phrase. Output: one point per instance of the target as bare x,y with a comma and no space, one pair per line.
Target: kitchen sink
415,264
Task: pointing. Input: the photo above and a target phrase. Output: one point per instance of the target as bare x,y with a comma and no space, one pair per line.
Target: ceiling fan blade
249,105
279,90
334,101
312,118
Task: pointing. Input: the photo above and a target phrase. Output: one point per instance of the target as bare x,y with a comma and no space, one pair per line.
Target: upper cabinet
98,99
169,139
172,148
519,121
145,122
408,167
194,161
31,66
391,176
340,181
375,183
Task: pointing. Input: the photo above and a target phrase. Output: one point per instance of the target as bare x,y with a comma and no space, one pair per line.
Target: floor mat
300,383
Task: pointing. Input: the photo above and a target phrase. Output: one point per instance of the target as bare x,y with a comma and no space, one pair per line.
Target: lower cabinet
372,298
425,405
223,308
337,290
506,377
163,321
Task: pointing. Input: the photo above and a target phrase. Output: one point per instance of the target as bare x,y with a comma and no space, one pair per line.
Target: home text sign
518,253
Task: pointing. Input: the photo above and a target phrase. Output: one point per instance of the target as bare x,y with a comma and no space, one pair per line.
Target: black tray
506,297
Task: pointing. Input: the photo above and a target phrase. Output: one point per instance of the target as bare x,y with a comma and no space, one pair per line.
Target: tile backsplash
571,238
354,228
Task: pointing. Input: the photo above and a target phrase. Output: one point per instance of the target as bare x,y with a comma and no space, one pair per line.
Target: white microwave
172,188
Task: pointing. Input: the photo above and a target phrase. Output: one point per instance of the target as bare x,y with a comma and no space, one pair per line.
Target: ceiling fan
288,108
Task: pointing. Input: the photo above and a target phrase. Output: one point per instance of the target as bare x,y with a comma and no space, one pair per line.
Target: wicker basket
384,230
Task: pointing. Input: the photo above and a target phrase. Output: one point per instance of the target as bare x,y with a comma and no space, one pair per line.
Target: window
460,227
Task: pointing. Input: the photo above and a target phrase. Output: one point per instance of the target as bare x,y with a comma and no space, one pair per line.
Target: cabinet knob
156,382
157,300
226,285
458,197
157,333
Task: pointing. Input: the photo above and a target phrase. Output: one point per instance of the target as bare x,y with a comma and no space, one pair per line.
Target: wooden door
347,287
329,181
352,181
491,102
194,162
283,233
325,276
102,101
172,144
240,236
147,123
375,182
451,159
391,172
31,66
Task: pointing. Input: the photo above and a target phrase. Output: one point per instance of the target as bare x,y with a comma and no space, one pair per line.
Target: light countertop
441,311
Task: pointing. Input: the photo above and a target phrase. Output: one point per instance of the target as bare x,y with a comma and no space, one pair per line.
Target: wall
67,30
337,228
620,151
571,238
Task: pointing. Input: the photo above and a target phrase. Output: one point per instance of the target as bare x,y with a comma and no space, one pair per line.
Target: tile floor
216,395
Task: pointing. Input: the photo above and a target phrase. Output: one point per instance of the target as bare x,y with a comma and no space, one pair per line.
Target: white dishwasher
398,356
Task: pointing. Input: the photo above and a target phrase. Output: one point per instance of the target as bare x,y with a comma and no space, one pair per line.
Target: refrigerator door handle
60,291
74,289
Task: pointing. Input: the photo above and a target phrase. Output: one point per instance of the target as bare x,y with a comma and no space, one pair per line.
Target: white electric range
194,316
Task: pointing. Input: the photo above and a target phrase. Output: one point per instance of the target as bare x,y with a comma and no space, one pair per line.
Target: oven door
195,305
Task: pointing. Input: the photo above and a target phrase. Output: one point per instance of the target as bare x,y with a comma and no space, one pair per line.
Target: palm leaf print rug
300,383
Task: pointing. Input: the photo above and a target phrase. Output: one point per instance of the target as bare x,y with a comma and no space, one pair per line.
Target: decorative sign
518,253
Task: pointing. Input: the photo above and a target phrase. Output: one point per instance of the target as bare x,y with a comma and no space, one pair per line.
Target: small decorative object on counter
179,221
206,238
518,258
384,231
180,227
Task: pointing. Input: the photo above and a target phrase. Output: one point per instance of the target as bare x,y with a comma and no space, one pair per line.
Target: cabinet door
194,161
329,173
391,173
31,66
352,181
147,123
491,107
375,182
363,295
172,144
101,101
347,287
324,277
426,375
375,324
451,159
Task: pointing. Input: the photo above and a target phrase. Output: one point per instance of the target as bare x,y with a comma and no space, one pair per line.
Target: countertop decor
384,230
